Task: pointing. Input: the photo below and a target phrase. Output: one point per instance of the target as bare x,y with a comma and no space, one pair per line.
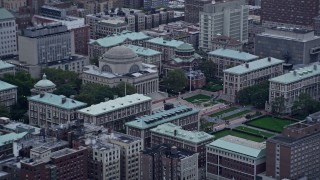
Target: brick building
231,157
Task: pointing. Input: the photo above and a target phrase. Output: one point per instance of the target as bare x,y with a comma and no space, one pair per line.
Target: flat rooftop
161,117
253,66
5,14
40,149
232,54
142,50
9,138
297,75
164,42
5,65
57,101
62,152
174,131
241,146
113,105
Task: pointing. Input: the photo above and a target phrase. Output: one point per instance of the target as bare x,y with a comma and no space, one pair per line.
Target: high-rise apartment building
289,13
249,74
45,44
291,85
294,154
8,46
231,157
229,18
172,134
163,162
192,9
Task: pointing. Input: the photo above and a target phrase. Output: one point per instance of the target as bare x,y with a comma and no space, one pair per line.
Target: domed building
121,64
44,85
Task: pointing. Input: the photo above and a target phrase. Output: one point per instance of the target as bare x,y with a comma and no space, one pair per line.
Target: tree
255,95
66,90
94,93
61,77
94,61
176,80
208,68
123,87
305,105
277,105
4,112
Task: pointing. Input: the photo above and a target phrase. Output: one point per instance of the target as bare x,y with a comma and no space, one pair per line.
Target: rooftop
21,127
228,53
8,138
163,42
241,146
297,75
57,101
112,105
161,117
40,149
62,152
4,65
142,50
166,149
172,130
5,86
117,39
253,66
113,21
5,14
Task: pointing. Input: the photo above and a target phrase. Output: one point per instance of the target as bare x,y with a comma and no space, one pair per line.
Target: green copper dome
185,47
44,83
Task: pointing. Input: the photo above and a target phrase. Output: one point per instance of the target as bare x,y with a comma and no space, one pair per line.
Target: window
134,68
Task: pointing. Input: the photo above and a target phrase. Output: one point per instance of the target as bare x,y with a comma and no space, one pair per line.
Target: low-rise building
186,117
291,85
8,94
228,58
149,56
166,47
196,78
44,85
249,74
46,109
174,135
6,143
114,113
165,162
225,42
231,157
98,47
121,65
18,127
6,68
111,26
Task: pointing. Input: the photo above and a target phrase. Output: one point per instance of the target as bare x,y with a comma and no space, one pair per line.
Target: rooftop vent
315,67
295,72
247,65
41,94
269,59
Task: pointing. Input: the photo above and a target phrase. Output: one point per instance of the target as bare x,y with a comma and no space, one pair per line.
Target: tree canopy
61,78
208,68
305,105
255,95
176,80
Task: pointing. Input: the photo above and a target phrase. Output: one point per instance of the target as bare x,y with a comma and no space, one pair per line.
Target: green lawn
236,115
198,98
222,112
213,87
270,123
253,131
223,133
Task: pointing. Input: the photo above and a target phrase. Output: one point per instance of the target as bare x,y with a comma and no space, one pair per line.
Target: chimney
174,150
315,67
175,132
247,65
41,94
269,59
63,99
295,72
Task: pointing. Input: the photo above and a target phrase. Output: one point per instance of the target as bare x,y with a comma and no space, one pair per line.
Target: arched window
134,68
106,68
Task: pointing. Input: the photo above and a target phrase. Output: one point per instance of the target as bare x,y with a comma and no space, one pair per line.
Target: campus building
44,85
6,68
291,85
46,109
225,42
114,113
228,58
166,47
293,154
249,74
149,56
229,18
6,143
8,94
8,32
110,26
194,141
121,65
298,46
231,157
165,162
186,117
192,9
98,47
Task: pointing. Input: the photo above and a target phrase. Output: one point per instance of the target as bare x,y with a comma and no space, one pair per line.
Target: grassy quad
223,112
270,123
198,98
223,133
236,115
253,131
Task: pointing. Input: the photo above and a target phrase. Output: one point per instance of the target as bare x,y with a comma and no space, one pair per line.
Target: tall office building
8,46
228,18
45,44
290,13
294,154
192,9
